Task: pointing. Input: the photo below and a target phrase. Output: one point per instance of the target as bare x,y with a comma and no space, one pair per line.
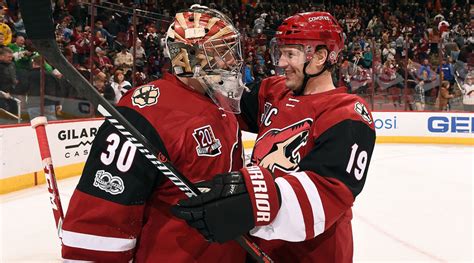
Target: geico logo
75,134
389,123
453,124
317,18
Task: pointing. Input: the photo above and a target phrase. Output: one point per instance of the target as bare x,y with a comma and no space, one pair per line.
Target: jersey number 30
360,158
125,156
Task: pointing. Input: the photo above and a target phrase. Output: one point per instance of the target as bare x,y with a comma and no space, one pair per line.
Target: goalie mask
203,44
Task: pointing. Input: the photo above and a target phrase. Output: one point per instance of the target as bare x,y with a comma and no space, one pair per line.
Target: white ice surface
416,207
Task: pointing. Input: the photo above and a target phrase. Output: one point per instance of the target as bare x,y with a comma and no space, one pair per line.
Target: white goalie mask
203,44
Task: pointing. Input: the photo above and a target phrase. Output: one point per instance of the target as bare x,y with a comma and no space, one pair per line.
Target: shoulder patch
109,183
363,112
145,96
208,144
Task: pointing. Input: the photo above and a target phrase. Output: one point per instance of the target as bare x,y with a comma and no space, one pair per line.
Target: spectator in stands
99,40
105,34
139,53
444,96
104,88
389,52
399,45
64,32
367,57
30,86
101,61
466,53
81,45
18,25
124,60
7,70
21,55
155,62
5,26
389,77
447,71
78,11
423,49
424,72
7,79
248,75
468,93
119,84
419,96
114,27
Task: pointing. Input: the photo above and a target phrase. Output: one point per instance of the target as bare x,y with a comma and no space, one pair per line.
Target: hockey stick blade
39,25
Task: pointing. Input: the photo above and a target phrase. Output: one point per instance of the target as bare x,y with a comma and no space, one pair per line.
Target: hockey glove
237,202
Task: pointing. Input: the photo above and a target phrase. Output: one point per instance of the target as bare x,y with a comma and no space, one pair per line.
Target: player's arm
326,185
105,214
299,205
249,106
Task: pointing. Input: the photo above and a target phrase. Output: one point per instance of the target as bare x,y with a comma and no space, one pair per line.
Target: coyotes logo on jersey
279,148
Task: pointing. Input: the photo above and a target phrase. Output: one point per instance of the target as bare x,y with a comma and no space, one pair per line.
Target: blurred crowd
405,55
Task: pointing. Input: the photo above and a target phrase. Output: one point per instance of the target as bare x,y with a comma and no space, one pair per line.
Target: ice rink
416,207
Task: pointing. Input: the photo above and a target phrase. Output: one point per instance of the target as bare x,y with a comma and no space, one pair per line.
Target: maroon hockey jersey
120,208
319,148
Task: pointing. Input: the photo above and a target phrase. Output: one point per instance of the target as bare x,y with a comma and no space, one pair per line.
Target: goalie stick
39,25
39,124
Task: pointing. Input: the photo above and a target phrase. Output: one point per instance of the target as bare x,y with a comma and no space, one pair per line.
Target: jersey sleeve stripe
97,243
304,204
76,261
288,224
319,217
82,261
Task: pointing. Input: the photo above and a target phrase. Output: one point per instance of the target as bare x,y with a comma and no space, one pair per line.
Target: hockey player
310,159
120,210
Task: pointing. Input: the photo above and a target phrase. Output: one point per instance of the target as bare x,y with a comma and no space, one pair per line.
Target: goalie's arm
105,213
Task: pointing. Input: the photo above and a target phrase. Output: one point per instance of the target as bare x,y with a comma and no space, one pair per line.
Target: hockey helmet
310,30
203,43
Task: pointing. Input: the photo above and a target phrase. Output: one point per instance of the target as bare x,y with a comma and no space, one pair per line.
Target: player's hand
236,202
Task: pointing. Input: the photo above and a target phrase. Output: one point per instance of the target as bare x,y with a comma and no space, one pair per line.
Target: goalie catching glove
236,202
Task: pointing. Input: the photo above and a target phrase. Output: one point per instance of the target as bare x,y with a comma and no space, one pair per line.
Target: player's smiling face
292,59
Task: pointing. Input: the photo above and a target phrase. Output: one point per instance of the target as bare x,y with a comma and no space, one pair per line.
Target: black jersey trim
332,153
137,183
249,107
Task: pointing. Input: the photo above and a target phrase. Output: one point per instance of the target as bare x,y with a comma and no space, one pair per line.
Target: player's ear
317,61
320,56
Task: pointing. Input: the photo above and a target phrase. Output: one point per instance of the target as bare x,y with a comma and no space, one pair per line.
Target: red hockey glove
236,202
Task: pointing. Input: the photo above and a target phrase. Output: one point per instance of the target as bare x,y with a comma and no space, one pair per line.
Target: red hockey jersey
120,209
319,148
